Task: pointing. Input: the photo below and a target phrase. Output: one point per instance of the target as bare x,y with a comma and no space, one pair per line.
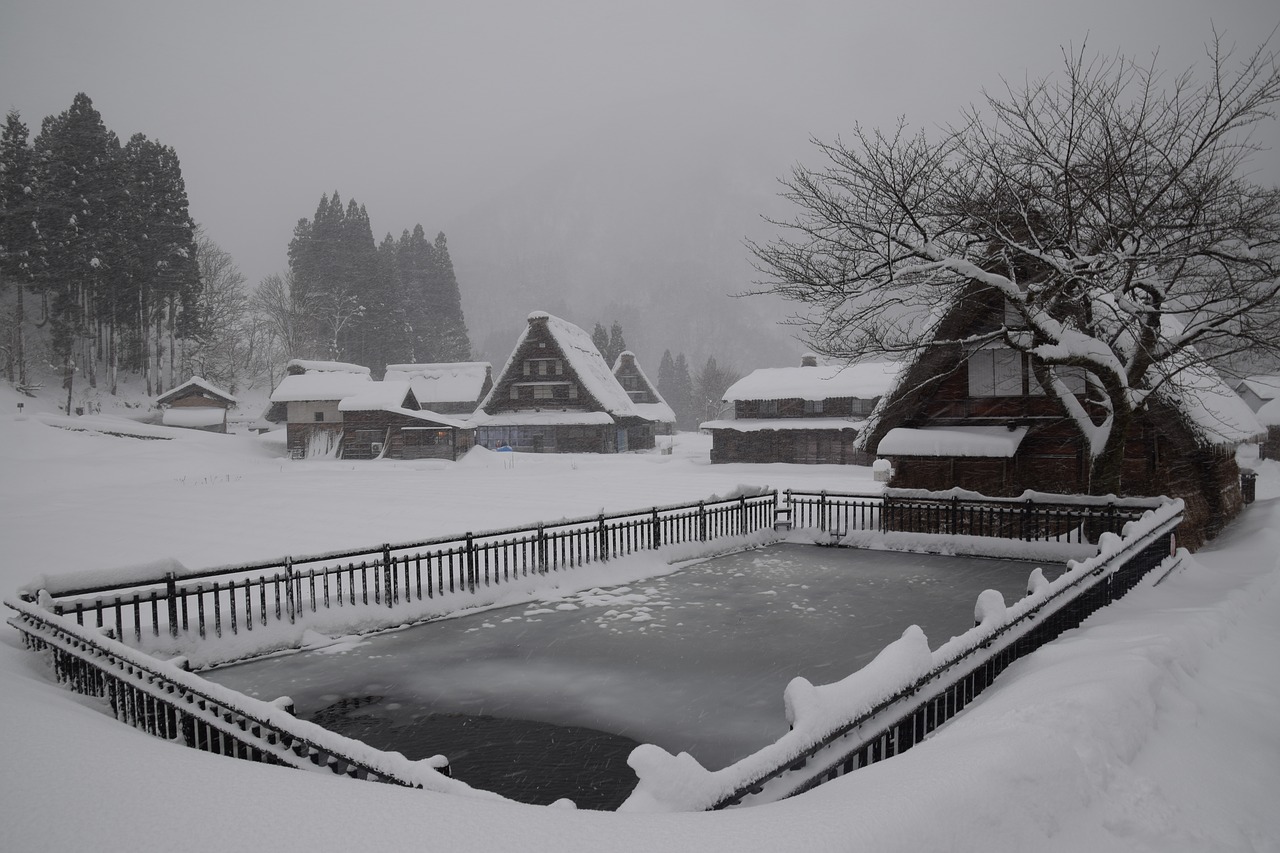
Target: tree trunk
1107,469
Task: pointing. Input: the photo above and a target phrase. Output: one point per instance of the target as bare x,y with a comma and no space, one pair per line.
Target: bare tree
1110,208
283,318
221,348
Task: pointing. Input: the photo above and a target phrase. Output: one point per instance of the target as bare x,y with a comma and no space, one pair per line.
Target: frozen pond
695,661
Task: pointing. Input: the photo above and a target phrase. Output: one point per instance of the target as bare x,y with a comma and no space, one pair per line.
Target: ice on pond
706,678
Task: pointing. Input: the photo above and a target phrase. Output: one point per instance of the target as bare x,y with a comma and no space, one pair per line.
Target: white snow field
1155,726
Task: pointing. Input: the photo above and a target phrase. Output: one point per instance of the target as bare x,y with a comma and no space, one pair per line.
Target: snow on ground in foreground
1154,727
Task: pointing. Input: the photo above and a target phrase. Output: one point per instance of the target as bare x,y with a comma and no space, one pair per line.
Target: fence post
657,530
471,562
171,595
1027,509
742,514
386,573
542,549
602,538
822,511
702,521
288,587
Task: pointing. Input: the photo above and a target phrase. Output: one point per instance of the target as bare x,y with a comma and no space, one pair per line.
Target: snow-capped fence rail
908,691
1032,516
163,699
234,599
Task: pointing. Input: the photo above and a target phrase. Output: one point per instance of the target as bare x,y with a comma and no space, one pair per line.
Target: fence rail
233,599
1038,518
902,720
164,701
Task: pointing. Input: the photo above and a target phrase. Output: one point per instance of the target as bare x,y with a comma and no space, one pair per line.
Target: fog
601,161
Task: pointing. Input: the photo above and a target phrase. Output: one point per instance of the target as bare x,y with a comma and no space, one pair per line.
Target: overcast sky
423,110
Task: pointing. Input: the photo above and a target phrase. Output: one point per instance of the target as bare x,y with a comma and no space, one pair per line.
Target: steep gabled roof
1266,386
822,382
582,358
195,382
445,382
657,411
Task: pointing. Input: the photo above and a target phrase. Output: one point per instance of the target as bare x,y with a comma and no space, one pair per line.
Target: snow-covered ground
1156,726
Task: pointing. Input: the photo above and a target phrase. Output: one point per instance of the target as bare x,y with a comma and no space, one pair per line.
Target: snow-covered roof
824,382
446,382
196,382
656,412
375,396
529,417
1215,413
760,424
583,359
325,366
1266,386
324,385
429,418
985,441
1269,414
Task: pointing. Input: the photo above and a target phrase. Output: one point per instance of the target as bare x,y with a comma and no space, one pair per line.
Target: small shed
644,395
196,404
384,421
311,393
1259,390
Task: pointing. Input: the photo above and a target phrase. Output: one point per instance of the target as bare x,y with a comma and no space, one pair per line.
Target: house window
515,392
995,372
543,392
319,416
368,436
813,407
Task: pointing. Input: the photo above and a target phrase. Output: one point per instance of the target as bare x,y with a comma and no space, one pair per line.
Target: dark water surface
546,700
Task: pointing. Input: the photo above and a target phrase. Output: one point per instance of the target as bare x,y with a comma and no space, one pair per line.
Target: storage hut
384,421
196,404
311,392
644,395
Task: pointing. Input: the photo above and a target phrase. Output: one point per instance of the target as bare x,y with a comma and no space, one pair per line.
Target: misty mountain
644,228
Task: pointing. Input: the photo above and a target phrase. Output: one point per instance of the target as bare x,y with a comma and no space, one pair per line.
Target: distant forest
103,273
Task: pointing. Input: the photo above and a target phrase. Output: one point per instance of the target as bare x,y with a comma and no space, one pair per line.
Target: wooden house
1259,390
978,419
810,414
384,421
556,394
196,404
311,392
452,388
644,395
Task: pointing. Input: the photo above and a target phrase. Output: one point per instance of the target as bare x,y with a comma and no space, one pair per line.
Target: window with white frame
995,372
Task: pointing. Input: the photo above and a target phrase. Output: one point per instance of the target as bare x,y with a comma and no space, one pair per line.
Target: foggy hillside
646,229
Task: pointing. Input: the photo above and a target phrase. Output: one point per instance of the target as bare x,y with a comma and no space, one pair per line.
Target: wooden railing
1032,518
162,699
232,599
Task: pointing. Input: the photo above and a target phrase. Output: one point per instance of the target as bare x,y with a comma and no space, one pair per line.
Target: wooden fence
1041,518
232,599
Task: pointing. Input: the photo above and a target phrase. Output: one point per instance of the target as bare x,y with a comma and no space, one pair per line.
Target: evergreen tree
681,400
414,261
617,345
666,376
444,304
20,240
81,201
600,338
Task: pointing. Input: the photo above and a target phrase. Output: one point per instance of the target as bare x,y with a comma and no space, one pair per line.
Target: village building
447,388
1259,390
310,393
978,419
644,395
810,414
556,394
384,421
196,404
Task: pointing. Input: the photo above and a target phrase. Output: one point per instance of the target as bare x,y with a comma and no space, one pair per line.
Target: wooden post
655,536
702,521
171,596
288,588
602,541
387,580
471,562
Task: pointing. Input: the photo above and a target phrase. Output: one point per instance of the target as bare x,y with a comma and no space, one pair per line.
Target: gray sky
427,111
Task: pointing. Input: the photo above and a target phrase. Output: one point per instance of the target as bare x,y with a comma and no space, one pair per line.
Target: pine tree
450,328
666,376
20,239
681,401
81,203
617,345
600,338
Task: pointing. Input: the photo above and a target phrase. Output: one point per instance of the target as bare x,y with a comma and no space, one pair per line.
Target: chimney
808,360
